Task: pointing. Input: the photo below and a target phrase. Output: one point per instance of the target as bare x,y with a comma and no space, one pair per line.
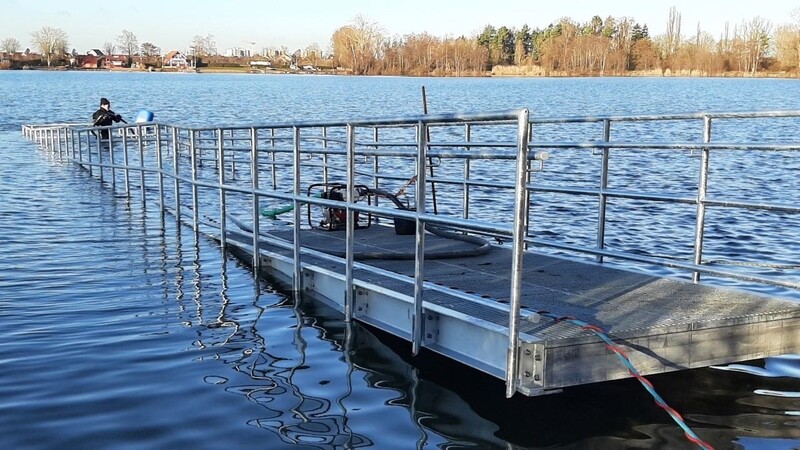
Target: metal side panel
570,365
467,339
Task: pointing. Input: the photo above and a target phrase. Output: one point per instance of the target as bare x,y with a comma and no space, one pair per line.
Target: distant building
113,61
238,52
95,52
89,61
175,59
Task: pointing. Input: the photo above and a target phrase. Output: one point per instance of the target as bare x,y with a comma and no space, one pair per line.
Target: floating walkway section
541,251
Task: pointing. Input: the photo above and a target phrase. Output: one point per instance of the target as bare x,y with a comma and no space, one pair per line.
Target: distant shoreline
496,72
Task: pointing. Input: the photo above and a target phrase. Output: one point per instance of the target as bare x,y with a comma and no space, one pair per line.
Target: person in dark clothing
104,117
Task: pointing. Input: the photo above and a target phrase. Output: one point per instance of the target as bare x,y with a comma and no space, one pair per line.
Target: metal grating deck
667,324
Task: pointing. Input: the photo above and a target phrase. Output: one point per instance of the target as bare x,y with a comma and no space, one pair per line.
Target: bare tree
358,45
673,35
204,45
755,42
10,45
313,54
50,42
787,42
148,49
108,48
128,43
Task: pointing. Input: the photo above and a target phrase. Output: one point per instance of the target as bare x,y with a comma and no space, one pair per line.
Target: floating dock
663,324
516,249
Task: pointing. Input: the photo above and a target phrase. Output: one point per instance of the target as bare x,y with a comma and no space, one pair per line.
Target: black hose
483,246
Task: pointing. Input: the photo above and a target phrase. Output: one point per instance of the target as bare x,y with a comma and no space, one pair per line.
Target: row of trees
600,46
52,43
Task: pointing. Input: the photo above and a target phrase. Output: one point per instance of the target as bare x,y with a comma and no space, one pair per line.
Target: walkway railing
644,197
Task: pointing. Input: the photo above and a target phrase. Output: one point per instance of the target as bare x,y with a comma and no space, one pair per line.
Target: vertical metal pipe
110,152
297,280
111,161
176,173
160,166
467,166
418,321
73,141
256,198
273,168
80,149
325,155
233,156
702,192
141,162
602,200
126,163
518,238
350,224
58,139
193,160
526,217
223,229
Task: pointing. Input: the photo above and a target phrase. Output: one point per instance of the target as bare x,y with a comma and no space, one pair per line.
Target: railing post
602,199
126,163
256,198
273,169
88,150
193,161
160,166
518,238
112,161
73,140
141,162
223,229
418,321
325,154
702,191
297,280
350,223
58,133
176,173
467,166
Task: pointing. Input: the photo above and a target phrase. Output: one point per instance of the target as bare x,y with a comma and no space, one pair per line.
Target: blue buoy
144,116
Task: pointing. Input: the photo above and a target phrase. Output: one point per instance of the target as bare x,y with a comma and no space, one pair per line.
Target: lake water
120,335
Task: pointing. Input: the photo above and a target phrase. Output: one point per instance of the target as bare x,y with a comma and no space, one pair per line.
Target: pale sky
172,24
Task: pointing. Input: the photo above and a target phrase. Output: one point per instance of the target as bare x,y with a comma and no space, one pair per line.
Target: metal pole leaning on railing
418,321
602,199
518,238
350,223
702,191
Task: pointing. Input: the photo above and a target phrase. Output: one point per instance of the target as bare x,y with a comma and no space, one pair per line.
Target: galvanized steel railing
479,190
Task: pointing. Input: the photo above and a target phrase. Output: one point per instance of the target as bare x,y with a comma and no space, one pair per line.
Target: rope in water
623,357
